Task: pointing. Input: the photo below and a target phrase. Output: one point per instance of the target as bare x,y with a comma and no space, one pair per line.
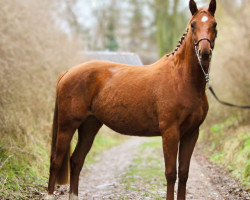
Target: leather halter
207,74
197,44
198,55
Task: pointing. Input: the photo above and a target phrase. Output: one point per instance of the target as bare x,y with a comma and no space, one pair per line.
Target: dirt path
102,180
199,183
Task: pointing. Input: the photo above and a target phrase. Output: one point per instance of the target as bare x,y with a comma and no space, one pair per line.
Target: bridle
211,45
196,44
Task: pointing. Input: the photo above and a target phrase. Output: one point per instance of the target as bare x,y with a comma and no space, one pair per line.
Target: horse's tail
63,173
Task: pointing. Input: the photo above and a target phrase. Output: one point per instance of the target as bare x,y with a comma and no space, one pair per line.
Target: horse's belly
129,118
125,103
127,124
135,132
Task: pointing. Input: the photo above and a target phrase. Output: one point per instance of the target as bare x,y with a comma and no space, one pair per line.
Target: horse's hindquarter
125,102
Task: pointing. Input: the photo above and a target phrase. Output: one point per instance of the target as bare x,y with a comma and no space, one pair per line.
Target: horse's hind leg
64,137
186,148
67,119
86,134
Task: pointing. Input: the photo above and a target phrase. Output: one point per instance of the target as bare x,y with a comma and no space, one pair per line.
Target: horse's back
116,94
122,100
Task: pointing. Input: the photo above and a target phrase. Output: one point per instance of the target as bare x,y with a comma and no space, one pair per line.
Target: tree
111,42
169,22
136,28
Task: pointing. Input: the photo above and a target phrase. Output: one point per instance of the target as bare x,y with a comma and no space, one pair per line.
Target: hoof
73,197
49,197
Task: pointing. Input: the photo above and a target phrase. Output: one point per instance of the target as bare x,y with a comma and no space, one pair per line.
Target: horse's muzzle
205,56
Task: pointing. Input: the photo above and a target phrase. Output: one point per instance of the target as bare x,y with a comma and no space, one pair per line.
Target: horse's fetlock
73,197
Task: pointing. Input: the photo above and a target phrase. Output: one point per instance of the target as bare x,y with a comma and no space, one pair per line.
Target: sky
83,9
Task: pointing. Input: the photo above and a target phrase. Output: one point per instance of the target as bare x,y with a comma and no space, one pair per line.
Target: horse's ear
193,7
212,7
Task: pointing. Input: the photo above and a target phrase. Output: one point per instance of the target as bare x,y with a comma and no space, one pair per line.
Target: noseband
197,44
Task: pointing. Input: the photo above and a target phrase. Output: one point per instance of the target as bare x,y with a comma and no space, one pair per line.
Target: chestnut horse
165,99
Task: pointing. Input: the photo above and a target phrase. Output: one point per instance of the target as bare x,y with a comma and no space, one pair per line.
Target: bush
33,52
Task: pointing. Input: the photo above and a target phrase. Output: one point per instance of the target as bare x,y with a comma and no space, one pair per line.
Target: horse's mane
185,33
179,43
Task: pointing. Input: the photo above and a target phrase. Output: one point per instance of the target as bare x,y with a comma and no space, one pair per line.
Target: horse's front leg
186,148
170,139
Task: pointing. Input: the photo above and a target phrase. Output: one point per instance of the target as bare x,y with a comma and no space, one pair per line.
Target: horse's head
203,28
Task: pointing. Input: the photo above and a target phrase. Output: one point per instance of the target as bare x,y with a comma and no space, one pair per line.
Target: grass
226,143
146,174
19,179
229,145
23,176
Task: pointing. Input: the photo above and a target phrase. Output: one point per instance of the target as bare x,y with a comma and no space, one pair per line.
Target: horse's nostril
205,56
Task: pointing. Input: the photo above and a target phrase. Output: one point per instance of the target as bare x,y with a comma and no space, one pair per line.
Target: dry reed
33,52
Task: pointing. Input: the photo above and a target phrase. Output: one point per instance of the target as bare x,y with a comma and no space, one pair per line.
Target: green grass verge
229,146
146,174
24,174
20,175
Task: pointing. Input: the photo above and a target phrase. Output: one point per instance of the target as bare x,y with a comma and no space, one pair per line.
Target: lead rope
207,77
223,102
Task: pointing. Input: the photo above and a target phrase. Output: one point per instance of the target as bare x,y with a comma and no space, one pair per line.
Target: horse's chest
186,112
194,118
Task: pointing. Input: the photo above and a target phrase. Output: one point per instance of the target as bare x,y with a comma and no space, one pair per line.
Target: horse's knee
183,177
171,177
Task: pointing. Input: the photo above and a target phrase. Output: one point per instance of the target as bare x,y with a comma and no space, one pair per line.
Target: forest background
41,39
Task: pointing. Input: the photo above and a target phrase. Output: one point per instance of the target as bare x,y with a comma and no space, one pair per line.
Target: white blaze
204,19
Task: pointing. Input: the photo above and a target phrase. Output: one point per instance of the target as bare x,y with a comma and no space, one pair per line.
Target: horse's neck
186,58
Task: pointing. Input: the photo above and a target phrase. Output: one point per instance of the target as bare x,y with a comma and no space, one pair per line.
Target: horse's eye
192,25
